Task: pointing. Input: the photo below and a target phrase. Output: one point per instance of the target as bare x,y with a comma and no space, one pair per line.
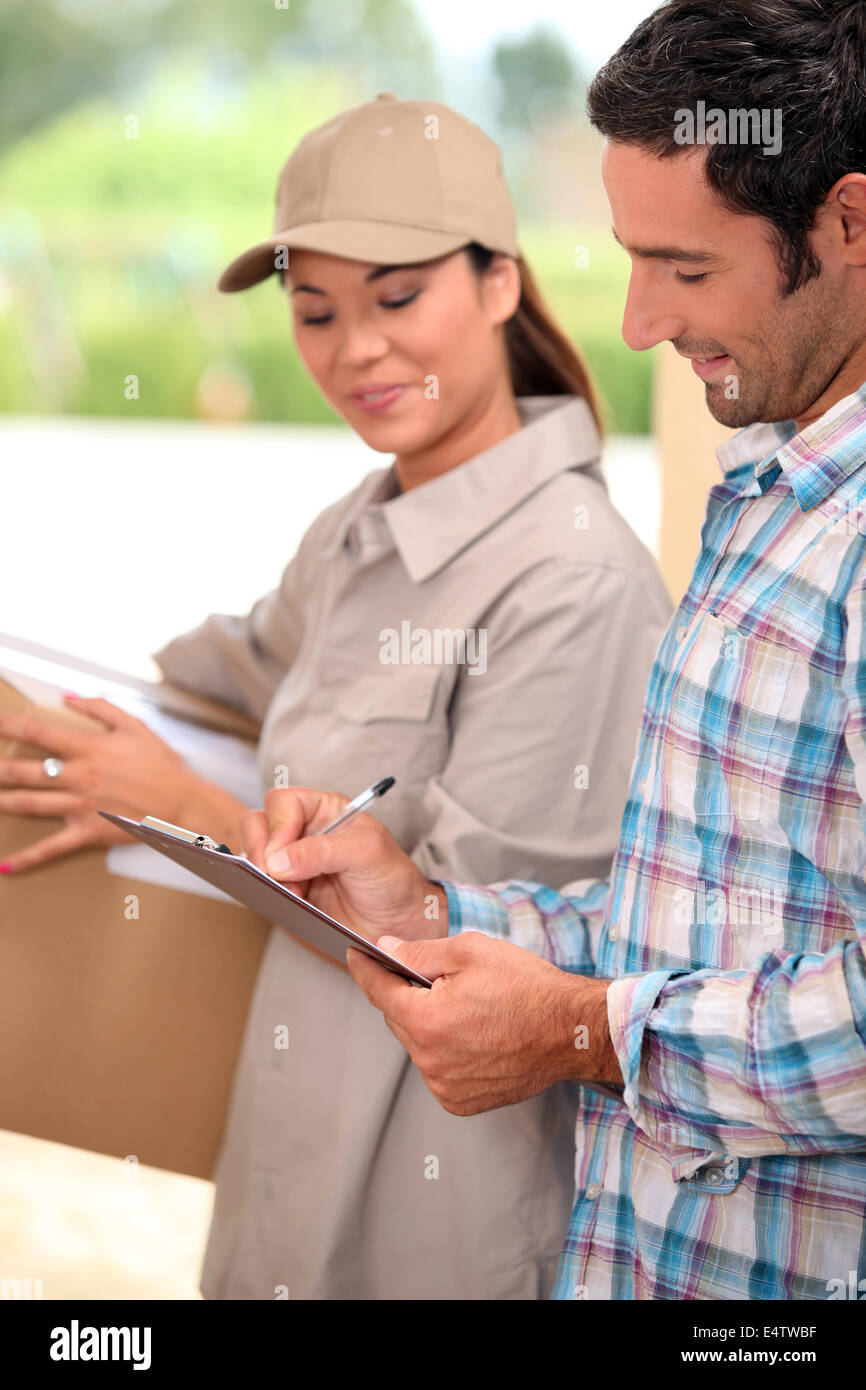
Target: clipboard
255,889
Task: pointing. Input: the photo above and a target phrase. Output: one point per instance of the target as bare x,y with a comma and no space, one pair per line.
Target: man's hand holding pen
359,874
499,1023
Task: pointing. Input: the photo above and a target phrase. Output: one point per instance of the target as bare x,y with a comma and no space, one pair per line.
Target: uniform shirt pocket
398,721
407,693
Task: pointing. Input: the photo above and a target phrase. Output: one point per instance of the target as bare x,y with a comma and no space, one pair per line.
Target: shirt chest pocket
404,695
736,711
399,720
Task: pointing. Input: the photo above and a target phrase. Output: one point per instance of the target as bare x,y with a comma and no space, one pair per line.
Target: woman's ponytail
542,360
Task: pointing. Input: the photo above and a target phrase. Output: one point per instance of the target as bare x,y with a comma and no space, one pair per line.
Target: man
719,975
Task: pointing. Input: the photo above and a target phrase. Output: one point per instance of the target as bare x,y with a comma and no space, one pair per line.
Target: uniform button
593,1191
641,786
682,632
613,931
264,1187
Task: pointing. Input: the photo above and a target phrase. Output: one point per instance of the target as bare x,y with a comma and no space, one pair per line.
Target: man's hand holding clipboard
495,1023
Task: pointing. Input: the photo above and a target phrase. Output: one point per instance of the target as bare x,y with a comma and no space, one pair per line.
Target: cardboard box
119,1033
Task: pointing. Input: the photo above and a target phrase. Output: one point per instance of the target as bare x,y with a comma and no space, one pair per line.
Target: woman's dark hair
541,358
803,58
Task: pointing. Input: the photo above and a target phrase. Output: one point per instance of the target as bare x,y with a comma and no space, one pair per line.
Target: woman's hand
358,874
128,770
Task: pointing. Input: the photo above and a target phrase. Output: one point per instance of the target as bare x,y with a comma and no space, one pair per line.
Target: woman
425,629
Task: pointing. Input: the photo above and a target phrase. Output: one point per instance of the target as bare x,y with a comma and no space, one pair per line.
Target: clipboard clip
189,837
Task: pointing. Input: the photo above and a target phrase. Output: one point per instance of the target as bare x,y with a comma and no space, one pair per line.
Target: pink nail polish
5,868
71,695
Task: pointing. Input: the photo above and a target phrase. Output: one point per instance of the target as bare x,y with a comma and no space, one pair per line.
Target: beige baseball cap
389,182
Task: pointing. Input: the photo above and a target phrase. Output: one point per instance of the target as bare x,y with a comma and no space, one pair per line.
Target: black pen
360,801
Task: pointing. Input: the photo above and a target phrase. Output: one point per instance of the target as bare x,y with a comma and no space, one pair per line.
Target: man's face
708,280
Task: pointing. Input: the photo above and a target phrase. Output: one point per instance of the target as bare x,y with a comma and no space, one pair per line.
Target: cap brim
382,243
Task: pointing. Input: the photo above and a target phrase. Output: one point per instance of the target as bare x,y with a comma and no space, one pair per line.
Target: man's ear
848,198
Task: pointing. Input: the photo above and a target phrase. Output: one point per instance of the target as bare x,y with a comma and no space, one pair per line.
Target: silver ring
53,767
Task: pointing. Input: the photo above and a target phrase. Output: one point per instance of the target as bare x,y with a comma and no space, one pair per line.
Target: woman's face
403,353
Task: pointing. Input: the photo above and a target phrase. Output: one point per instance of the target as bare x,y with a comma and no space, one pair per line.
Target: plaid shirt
733,925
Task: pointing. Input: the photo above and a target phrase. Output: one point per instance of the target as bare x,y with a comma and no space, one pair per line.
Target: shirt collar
376,488
431,523
815,461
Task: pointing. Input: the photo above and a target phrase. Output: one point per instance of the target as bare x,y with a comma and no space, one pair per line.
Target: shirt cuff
475,909
630,1000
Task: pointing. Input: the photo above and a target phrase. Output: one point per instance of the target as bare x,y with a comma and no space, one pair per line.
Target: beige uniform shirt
431,636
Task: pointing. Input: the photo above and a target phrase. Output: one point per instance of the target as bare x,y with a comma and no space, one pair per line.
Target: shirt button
641,786
593,1191
264,1187
682,632
613,932
715,1177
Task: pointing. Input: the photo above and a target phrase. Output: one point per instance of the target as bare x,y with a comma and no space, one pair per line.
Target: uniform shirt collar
433,522
815,461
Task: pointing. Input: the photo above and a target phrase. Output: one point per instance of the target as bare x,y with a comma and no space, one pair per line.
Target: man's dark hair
805,58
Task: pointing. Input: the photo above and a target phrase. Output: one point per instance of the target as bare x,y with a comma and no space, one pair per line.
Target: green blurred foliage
537,78
56,53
